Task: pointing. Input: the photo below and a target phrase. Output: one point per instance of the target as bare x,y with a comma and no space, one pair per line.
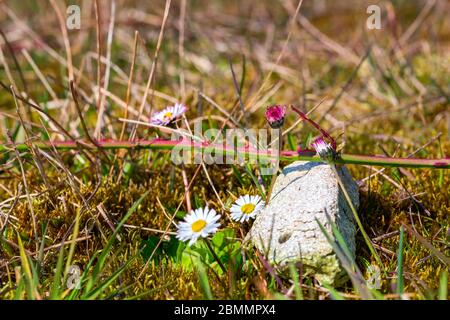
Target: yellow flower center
168,115
198,225
248,208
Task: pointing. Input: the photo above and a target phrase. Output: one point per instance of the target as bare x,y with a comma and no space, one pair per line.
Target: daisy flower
199,223
275,116
324,150
246,208
169,114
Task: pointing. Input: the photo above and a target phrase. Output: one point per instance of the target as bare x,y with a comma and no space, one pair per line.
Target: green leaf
148,246
167,249
181,247
128,168
198,201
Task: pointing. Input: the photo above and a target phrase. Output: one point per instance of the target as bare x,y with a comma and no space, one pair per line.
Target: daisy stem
355,214
274,176
208,244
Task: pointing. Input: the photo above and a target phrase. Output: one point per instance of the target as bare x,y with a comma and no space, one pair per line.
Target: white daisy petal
208,214
246,207
201,222
189,218
192,241
198,214
215,218
235,208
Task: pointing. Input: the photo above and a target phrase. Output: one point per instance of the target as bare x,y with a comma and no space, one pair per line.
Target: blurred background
327,40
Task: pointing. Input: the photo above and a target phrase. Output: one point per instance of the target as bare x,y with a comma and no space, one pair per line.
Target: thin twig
62,25
101,110
153,67
16,63
130,81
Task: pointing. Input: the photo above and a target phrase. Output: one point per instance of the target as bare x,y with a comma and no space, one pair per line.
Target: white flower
169,114
324,150
199,223
246,208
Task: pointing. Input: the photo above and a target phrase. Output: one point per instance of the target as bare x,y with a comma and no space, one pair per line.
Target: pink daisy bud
324,150
275,116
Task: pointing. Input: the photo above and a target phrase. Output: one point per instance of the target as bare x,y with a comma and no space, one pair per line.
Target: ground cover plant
93,204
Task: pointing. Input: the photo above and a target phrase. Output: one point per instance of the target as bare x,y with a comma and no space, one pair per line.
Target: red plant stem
252,153
315,125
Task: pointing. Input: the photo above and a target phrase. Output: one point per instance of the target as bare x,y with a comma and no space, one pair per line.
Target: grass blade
295,279
104,285
56,285
105,251
443,286
347,262
30,279
204,282
76,229
429,246
333,292
355,215
400,283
